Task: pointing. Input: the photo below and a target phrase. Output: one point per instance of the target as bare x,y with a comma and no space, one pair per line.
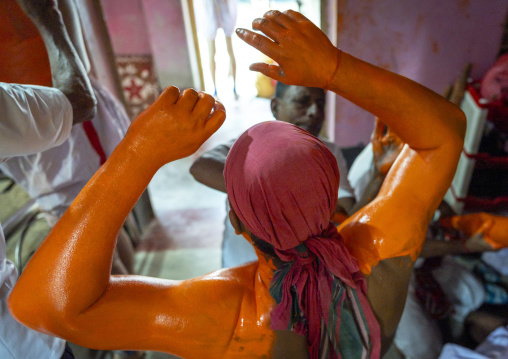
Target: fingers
277,17
188,99
215,120
269,28
485,227
211,122
273,71
294,15
219,107
169,95
204,105
394,138
286,18
379,128
260,42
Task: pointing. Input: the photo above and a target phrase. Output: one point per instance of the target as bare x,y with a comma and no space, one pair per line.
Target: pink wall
427,41
168,41
127,27
156,27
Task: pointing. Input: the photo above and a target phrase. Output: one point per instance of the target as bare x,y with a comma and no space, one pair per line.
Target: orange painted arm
66,288
493,227
433,129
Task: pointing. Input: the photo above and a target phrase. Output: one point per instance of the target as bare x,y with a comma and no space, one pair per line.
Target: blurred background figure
212,15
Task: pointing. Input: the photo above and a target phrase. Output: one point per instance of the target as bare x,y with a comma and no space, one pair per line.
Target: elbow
25,308
454,129
196,170
208,172
460,125
33,311
16,306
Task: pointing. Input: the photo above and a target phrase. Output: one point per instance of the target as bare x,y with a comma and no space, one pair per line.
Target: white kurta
55,177
32,119
212,15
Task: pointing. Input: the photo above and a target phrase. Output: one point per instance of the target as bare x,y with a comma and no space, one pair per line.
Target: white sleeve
360,173
345,189
32,119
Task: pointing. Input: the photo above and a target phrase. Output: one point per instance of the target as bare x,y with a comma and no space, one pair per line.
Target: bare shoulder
233,281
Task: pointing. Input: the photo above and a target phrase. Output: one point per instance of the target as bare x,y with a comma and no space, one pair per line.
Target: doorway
247,10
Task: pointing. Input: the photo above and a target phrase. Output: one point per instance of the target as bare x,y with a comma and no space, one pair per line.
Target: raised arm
432,127
66,288
388,233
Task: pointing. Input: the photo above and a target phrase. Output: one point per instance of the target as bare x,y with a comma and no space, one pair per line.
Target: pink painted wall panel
168,41
427,41
127,27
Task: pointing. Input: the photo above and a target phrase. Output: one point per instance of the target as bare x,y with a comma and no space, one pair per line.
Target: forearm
47,116
436,248
209,167
420,117
71,269
209,172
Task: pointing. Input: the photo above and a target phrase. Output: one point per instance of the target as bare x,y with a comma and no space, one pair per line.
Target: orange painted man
315,292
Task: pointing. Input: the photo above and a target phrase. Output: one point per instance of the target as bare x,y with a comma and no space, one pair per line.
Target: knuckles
272,13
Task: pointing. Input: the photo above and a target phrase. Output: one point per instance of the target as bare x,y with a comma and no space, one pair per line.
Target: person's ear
274,106
235,222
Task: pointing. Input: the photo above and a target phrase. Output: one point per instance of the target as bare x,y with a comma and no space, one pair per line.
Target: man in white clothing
54,177
34,119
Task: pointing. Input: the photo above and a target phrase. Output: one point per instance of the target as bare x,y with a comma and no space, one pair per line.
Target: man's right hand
175,125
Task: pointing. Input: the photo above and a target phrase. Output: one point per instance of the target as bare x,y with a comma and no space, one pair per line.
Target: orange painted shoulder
367,239
234,320
360,239
253,337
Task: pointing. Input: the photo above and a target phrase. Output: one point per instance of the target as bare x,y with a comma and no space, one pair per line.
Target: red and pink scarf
282,182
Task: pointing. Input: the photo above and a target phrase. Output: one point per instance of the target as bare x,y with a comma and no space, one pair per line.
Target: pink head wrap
282,182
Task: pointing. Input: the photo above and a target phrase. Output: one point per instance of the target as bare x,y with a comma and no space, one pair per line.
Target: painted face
301,106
